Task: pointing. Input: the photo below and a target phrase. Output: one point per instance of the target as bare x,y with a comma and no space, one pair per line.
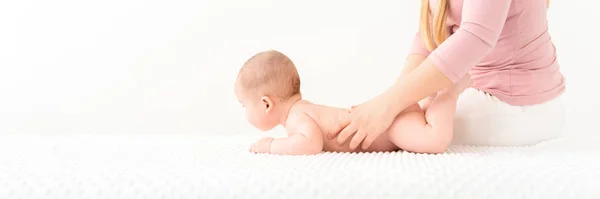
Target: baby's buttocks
332,123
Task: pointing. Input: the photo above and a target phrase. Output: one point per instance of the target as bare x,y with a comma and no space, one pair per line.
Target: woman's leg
429,131
482,119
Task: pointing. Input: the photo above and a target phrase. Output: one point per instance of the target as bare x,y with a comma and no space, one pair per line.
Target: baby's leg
431,131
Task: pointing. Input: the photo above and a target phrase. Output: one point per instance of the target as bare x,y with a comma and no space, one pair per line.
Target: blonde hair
440,31
270,73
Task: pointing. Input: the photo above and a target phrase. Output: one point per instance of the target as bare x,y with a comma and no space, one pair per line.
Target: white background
142,66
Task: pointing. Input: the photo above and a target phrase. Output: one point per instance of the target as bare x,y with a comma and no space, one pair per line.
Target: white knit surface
200,166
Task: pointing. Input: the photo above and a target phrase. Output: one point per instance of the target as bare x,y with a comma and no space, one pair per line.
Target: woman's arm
482,23
423,81
480,28
416,55
412,61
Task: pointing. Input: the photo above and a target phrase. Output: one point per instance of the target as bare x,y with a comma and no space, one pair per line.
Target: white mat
196,166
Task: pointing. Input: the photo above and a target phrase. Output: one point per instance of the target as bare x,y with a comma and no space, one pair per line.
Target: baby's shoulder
301,113
309,109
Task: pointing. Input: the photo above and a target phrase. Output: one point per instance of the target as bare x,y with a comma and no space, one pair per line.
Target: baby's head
265,85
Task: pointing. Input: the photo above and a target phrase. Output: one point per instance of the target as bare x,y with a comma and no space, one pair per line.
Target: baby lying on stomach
268,86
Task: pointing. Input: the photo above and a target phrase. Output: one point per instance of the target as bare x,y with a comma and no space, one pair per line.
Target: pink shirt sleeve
418,46
482,22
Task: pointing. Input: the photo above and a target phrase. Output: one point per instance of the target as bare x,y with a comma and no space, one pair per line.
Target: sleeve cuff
444,67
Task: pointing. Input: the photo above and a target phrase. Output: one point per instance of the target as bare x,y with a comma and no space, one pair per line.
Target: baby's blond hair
270,73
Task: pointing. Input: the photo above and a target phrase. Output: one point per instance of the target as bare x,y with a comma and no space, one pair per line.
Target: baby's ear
267,103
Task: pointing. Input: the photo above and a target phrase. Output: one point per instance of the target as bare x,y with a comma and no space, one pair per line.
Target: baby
268,87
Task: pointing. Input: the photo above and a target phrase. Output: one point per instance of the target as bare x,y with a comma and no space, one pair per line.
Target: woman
505,47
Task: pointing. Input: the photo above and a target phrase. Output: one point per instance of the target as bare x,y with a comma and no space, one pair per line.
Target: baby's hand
262,146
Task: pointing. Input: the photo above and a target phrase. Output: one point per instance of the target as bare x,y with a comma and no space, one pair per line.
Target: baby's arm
305,138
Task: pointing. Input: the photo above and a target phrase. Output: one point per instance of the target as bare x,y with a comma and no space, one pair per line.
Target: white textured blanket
199,166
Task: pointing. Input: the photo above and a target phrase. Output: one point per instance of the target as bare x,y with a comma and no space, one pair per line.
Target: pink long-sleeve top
504,45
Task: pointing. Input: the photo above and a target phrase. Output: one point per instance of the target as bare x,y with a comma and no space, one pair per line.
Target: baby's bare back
327,118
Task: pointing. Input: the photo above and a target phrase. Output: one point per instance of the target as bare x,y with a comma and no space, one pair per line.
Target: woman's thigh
482,119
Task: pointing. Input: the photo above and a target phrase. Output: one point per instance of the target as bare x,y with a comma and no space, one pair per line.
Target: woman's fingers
342,123
357,139
369,140
346,133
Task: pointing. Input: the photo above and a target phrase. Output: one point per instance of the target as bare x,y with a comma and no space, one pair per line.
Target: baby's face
256,112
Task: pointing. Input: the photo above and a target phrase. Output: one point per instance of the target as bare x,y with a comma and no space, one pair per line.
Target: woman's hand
366,122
